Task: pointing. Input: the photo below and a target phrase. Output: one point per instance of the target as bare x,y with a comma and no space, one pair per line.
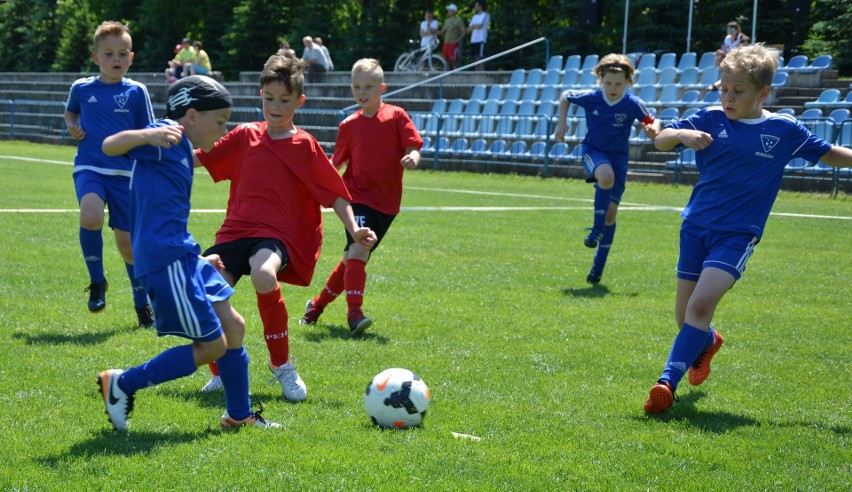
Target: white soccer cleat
253,420
291,384
215,384
118,403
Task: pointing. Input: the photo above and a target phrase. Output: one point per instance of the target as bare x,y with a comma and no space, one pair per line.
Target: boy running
741,150
376,144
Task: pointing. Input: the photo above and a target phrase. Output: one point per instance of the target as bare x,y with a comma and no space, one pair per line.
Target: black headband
197,92
620,67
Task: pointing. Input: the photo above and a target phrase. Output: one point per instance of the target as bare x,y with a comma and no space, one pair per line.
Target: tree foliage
40,35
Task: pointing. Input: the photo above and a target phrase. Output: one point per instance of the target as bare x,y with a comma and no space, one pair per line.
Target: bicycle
419,59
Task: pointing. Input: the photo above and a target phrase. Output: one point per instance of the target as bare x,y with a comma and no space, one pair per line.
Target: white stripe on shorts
748,252
188,319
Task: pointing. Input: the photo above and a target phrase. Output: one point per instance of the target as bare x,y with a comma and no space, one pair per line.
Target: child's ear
190,117
384,87
764,92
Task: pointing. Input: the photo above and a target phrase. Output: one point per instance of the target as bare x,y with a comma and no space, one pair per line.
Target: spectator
284,49
200,64
429,30
734,38
318,42
314,57
478,29
453,32
178,64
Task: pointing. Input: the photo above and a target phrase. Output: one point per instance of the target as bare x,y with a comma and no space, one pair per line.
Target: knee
263,280
699,307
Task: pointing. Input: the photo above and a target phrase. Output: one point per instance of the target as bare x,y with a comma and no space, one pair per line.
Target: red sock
333,286
214,369
355,280
273,314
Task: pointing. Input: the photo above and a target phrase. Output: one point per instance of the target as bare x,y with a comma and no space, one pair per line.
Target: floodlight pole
689,27
624,41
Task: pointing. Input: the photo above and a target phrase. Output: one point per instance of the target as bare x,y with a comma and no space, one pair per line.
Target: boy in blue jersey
610,113
190,295
96,108
741,150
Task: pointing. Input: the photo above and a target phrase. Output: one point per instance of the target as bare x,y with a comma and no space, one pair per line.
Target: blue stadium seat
573,62
479,92
689,97
530,93
495,92
687,60
668,96
478,146
646,76
821,62
439,106
648,94
427,148
667,76
796,63
555,62
648,60
667,60
710,98
552,77
828,96
839,115
709,77
517,148
547,108
668,114
443,145
519,76
537,150
513,93
558,151
707,60
497,147
459,146
588,80
810,113
688,78
549,93
589,62
788,111
780,79
570,78
535,76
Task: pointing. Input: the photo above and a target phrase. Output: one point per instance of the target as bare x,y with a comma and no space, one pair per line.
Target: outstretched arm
669,138
161,136
838,157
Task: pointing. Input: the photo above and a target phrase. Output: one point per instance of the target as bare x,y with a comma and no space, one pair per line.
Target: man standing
479,33
453,32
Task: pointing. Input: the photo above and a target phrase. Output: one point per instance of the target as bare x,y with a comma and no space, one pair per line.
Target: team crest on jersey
120,99
619,118
769,142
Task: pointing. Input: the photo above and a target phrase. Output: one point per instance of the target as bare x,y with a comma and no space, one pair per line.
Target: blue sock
602,200
603,246
140,297
686,347
170,364
233,369
92,244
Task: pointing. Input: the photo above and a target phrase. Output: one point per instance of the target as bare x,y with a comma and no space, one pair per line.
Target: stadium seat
689,97
687,60
519,76
443,145
558,151
787,111
478,146
479,92
648,60
648,94
573,62
549,93
710,98
688,112
667,60
588,80
797,164
688,78
456,106
513,93
537,150
810,113
552,77
796,63
459,146
589,62
780,79
495,92
497,147
709,77
530,93
439,106
535,77
828,96
844,136
667,76
646,76
576,154
668,96
506,120
518,148
547,108
427,148
845,103
488,118
468,121
707,60
555,62
668,114
839,115
526,118
821,62
570,78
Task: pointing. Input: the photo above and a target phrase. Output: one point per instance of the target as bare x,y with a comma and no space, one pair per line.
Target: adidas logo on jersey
92,99
722,134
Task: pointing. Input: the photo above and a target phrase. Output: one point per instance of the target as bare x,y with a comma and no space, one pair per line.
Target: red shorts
451,51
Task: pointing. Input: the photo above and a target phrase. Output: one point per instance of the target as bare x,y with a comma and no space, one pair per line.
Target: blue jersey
106,109
159,204
741,171
608,122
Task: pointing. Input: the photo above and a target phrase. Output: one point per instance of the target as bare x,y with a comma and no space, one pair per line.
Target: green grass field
479,288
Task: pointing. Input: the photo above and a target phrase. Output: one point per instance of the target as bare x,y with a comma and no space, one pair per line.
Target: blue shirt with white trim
106,109
609,123
741,171
159,204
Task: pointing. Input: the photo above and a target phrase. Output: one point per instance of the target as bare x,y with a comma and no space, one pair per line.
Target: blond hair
109,28
615,62
369,65
755,60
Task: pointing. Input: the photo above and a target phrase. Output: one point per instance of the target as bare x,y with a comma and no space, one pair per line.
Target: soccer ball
396,398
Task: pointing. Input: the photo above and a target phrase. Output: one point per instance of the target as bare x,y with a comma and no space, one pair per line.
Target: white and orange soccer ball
396,398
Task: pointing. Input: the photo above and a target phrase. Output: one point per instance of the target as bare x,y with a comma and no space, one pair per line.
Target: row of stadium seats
830,98
798,63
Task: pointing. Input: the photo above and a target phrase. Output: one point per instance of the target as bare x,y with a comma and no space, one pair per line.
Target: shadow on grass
342,332
110,442
216,399
596,290
84,339
715,422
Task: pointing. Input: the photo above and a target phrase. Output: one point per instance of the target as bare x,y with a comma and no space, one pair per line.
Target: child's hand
164,136
559,133
215,260
408,162
76,132
695,139
650,130
365,237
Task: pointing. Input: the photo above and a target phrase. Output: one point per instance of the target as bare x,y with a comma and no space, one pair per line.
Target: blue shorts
701,248
199,70
181,295
594,158
114,190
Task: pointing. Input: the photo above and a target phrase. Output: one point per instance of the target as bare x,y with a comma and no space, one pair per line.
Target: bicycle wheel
437,63
403,63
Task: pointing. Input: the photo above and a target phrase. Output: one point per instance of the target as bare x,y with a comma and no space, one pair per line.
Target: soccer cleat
358,323
214,384
661,398
292,386
591,241
97,295
700,370
312,314
594,275
145,315
118,403
253,420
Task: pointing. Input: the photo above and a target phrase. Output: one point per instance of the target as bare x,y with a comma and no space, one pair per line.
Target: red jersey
374,146
277,189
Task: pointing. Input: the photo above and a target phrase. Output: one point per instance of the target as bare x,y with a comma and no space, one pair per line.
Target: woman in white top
734,38
429,30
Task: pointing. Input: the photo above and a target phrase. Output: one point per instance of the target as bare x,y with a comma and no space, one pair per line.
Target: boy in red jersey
376,144
280,177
